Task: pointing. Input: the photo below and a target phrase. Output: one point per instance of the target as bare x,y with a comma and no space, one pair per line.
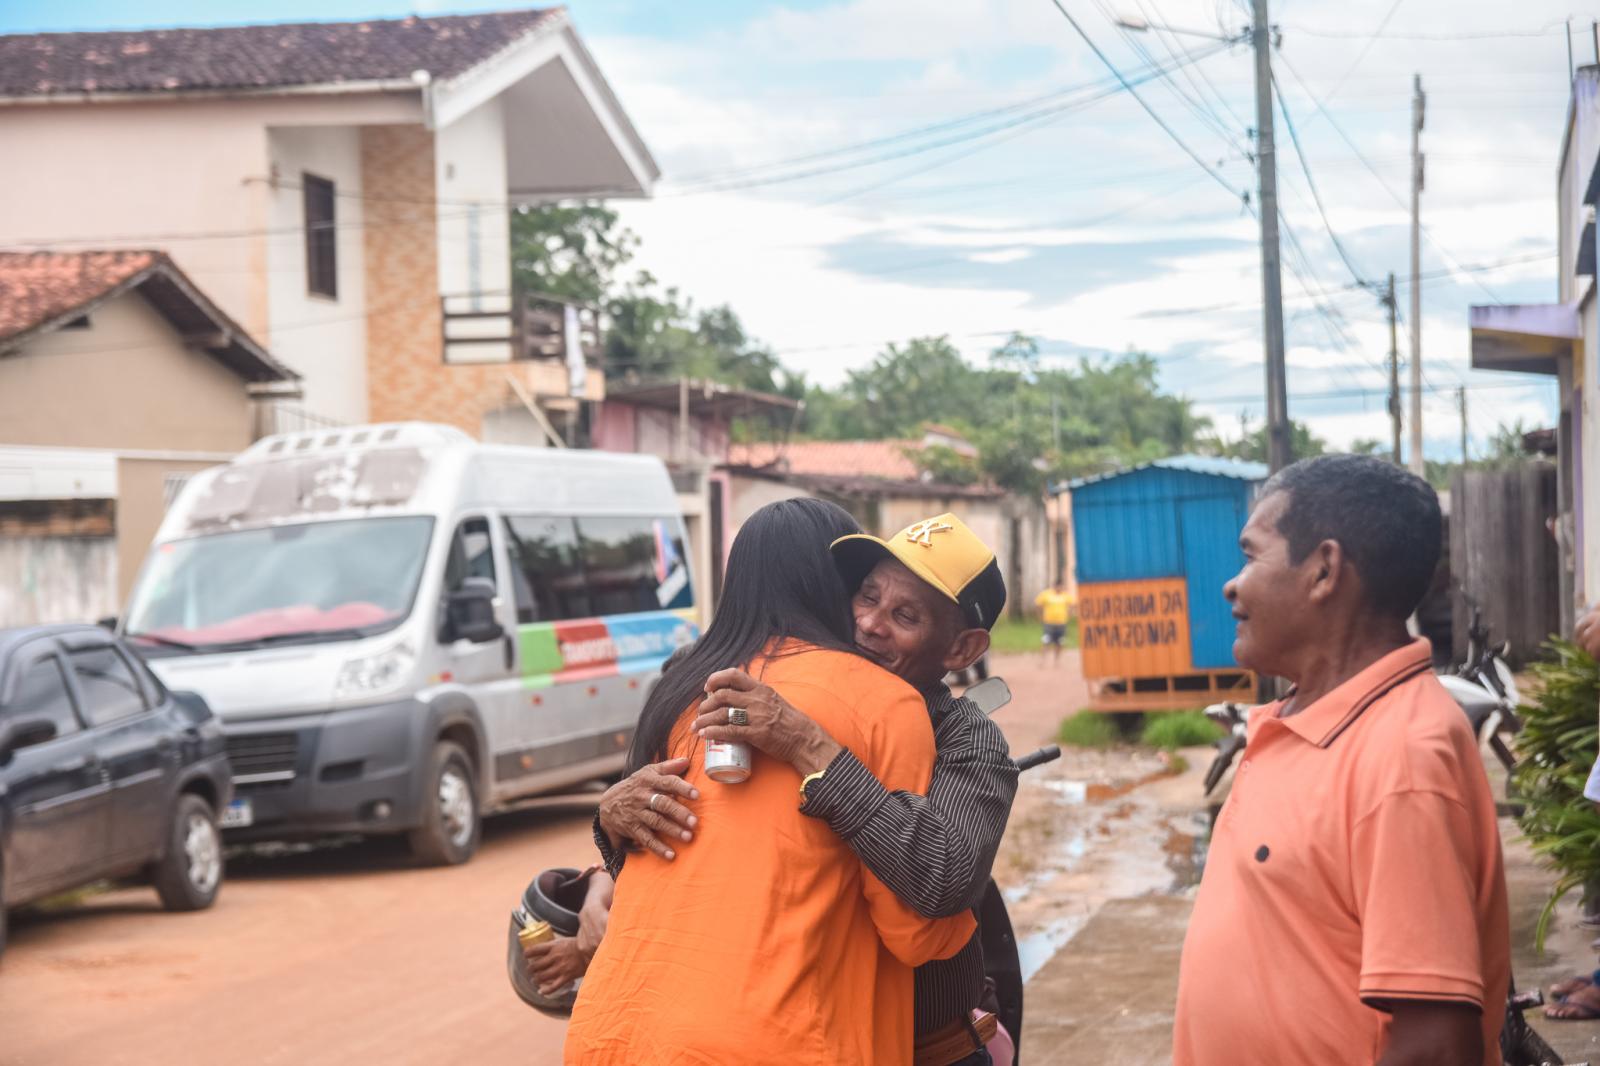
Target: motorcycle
1486,690
556,895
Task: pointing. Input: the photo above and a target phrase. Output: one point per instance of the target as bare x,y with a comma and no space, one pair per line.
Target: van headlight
375,675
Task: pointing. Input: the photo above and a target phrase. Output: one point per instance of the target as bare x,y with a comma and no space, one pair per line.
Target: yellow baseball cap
941,551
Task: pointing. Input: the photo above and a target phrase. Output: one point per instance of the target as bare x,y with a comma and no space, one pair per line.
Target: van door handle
511,652
69,766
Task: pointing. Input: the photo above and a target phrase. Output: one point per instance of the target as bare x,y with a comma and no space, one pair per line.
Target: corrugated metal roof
1195,464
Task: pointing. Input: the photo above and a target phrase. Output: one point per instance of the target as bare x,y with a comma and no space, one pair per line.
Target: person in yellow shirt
1056,605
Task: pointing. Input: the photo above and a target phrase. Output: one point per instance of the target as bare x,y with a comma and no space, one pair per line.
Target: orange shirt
1357,860
767,940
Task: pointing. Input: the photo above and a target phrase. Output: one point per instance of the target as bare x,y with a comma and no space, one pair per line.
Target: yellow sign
1135,628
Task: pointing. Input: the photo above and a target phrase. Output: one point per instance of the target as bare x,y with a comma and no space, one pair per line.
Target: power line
1372,40
1305,168
1437,247
1352,394
1170,132
1439,275
1198,107
1549,30
714,176
1027,119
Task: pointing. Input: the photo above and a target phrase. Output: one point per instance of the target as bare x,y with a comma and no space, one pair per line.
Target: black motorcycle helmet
555,896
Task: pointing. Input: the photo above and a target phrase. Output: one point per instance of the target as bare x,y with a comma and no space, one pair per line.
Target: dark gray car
103,772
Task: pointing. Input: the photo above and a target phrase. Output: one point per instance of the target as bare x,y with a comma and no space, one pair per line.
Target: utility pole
1461,402
1418,105
1278,444
1394,366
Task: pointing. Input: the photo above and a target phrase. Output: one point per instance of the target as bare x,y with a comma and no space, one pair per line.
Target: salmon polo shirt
1355,863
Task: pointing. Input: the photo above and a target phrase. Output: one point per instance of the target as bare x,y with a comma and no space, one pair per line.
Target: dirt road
344,955
340,955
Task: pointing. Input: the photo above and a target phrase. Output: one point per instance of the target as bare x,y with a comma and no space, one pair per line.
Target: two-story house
341,190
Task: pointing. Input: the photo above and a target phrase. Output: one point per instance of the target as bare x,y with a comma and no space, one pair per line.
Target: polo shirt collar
1323,721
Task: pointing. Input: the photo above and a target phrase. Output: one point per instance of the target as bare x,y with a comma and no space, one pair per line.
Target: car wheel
448,835
189,875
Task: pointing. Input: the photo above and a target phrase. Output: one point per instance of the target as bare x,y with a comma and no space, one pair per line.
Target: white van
402,629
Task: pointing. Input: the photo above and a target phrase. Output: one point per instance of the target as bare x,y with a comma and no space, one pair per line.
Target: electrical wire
1372,40
1244,197
1356,272
1426,233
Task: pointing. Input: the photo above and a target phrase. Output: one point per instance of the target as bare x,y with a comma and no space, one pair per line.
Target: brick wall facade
407,376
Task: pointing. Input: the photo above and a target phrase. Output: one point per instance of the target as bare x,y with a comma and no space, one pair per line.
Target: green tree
1252,445
569,250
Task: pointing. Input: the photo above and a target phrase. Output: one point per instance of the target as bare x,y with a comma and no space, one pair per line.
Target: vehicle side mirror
108,622
23,733
990,694
469,613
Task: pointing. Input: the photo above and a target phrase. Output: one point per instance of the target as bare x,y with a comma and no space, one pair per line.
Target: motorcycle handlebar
1036,758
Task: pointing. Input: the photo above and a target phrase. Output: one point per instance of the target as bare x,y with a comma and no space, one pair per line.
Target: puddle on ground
1036,949
1069,790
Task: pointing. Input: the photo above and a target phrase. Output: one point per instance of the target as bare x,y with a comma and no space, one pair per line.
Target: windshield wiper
165,642
310,636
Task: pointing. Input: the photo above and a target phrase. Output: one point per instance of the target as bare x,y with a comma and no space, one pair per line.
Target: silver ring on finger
738,716
653,797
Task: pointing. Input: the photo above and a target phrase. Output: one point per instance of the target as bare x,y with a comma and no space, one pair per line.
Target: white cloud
789,82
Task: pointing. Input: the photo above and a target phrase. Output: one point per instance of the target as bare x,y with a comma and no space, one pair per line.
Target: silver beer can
727,761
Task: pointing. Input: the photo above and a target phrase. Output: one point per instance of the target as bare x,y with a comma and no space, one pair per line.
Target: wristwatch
805,782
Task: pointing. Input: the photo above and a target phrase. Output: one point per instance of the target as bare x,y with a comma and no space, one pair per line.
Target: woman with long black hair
768,941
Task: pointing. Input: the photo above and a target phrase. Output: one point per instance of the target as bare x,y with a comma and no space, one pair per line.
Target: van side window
41,691
471,554
635,564
546,571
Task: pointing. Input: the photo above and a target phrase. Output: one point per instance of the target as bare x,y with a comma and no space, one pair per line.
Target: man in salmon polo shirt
1353,908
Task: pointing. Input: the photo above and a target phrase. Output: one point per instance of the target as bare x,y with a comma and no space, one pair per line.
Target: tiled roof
42,291
258,57
832,458
37,287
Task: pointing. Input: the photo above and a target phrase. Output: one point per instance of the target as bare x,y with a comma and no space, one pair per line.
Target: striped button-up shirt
932,851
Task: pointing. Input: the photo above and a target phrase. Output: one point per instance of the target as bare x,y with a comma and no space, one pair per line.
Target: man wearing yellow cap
924,600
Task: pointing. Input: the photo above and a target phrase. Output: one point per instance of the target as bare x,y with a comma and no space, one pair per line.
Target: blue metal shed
1172,518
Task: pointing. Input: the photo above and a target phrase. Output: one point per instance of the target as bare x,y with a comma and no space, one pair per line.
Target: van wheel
448,835
189,875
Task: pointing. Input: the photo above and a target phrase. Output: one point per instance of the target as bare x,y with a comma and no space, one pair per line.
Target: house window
322,273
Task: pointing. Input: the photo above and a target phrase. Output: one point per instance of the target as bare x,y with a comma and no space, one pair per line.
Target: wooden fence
1503,557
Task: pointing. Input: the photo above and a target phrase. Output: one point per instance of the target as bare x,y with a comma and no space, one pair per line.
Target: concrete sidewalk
1108,994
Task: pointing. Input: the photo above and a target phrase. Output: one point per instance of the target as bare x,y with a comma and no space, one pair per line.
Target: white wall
323,338
57,579
474,223
188,177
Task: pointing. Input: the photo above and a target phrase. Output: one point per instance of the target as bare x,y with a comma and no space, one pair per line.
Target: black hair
1385,519
780,583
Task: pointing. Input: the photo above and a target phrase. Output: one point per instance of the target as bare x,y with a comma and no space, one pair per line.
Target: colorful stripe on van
586,648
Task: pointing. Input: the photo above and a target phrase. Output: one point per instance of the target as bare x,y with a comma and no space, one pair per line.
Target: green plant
1179,729
1088,729
1557,747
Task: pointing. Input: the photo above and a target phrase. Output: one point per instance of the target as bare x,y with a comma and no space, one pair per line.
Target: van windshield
281,584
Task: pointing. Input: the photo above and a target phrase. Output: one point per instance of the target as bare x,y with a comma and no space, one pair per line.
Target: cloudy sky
850,173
